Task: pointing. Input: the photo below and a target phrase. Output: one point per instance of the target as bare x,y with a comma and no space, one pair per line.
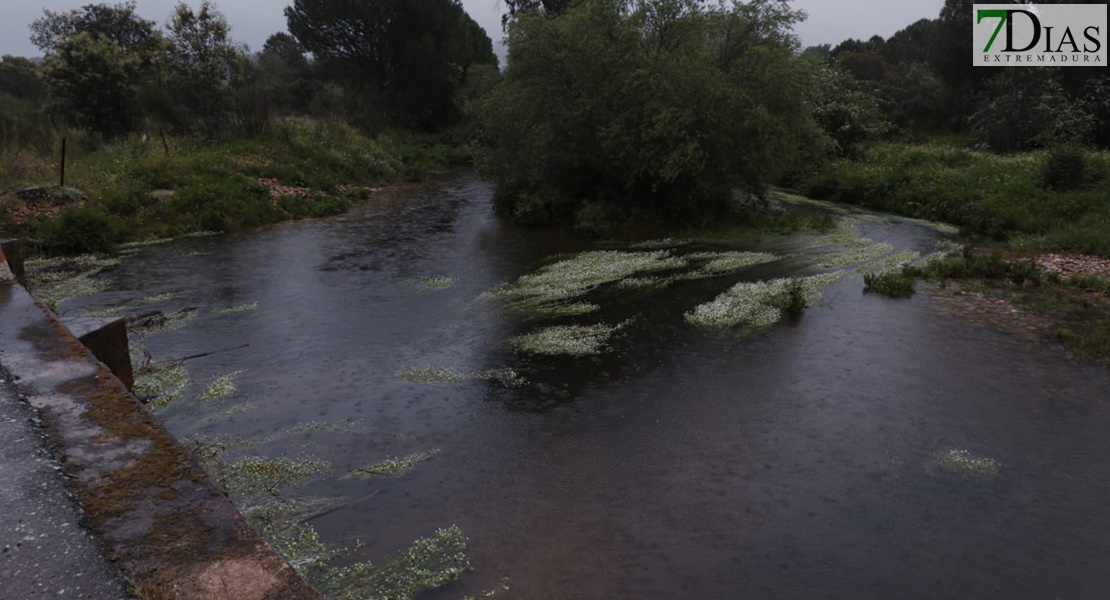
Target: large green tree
656,107
91,81
96,58
414,53
116,22
202,64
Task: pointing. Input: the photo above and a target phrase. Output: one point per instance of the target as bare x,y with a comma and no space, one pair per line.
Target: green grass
1004,197
222,186
1090,339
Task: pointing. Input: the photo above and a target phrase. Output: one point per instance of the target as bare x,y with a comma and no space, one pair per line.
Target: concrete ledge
11,263
106,337
169,527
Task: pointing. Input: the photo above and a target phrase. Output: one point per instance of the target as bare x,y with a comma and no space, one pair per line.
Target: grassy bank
1042,201
1012,209
137,188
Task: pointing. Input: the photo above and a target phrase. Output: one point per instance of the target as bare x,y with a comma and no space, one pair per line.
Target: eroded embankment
170,528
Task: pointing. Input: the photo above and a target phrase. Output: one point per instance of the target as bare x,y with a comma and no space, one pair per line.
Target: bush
793,299
1065,168
80,230
891,283
594,219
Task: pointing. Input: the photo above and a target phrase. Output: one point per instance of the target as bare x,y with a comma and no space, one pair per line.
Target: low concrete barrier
11,263
107,339
169,527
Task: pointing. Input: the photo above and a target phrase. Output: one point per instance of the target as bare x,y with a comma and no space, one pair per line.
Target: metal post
63,164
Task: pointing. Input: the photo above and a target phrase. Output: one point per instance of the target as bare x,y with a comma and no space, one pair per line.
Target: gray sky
252,21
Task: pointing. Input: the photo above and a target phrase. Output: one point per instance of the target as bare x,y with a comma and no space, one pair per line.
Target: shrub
891,283
80,230
793,298
1065,168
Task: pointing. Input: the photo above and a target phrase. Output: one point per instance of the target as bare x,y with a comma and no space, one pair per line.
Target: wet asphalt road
44,551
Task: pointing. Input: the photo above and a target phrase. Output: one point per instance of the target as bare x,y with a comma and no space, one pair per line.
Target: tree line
607,110
108,71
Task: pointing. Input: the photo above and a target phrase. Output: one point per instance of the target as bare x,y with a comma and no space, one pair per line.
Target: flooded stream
867,449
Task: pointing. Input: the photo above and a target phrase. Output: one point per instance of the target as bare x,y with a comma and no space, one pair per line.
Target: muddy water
801,462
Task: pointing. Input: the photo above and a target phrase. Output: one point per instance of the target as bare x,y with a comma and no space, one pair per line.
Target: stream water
804,461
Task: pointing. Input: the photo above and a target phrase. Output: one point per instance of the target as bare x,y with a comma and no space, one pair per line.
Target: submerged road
44,550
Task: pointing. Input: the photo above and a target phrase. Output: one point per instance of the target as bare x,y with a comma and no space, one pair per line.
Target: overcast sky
252,21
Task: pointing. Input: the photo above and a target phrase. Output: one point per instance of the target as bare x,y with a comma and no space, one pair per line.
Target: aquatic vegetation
427,564
505,376
493,593
892,262
227,413
644,283
434,283
961,462
316,427
889,283
252,476
433,375
118,311
575,340
722,263
163,322
236,309
757,305
860,253
660,244
51,270
562,282
392,467
55,280
221,387
282,523
555,311
163,383
150,241
210,448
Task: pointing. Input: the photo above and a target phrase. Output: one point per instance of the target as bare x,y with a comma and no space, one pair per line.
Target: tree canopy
656,106
414,53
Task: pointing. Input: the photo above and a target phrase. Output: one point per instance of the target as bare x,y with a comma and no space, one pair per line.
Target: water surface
799,462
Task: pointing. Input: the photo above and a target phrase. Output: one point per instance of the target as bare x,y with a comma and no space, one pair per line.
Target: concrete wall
156,513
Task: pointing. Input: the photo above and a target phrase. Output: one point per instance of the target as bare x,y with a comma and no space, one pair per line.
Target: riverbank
144,188
1036,227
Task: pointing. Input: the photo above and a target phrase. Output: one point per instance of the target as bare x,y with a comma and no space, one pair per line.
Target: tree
97,57
846,113
21,78
118,23
414,53
91,81
647,106
514,8
201,65
1027,109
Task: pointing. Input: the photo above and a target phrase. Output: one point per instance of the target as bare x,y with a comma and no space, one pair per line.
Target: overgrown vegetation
890,283
1036,201
178,130
131,190
644,109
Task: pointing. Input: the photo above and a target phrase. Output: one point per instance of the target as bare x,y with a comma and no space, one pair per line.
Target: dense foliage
415,53
648,107
109,72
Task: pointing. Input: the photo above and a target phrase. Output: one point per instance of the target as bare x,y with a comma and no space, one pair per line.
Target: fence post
63,164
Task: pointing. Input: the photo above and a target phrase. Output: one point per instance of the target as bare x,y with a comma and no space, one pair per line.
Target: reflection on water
801,462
